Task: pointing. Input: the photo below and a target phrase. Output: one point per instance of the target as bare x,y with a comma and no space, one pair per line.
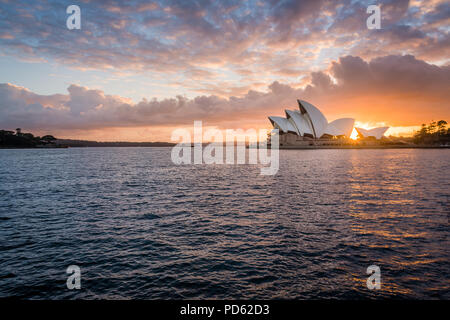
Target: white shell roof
300,122
318,121
340,127
283,124
374,132
310,120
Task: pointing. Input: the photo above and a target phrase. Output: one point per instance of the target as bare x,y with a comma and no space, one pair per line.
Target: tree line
24,140
434,133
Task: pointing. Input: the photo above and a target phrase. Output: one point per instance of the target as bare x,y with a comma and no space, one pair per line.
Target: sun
354,135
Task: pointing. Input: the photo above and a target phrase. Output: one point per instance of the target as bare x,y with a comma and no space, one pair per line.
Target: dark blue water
140,227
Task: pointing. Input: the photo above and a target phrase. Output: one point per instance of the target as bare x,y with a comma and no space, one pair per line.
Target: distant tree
435,132
48,139
22,140
432,127
424,130
28,136
441,127
9,139
420,135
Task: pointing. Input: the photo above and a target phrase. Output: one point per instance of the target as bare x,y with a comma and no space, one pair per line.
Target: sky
137,70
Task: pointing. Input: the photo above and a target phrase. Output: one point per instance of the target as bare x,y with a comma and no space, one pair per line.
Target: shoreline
84,147
364,147
248,147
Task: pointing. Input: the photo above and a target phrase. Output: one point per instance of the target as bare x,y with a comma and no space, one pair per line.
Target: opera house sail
375,132
308,124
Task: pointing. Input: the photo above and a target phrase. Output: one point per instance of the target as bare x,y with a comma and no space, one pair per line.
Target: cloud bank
200,40
400,89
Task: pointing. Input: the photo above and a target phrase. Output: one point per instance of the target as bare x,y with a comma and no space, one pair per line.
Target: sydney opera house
308,125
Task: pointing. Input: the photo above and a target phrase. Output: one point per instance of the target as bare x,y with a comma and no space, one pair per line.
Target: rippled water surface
140,227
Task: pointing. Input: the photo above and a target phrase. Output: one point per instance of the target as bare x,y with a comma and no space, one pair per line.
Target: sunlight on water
141,227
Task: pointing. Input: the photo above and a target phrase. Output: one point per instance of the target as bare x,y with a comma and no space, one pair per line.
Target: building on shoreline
308,126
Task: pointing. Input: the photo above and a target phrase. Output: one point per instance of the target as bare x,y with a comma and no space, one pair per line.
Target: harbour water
140,227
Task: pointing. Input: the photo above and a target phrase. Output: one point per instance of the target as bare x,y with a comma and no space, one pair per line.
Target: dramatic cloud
229,63
218,36
399,89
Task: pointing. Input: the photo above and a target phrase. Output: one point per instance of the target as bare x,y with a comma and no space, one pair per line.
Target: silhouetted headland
19,139
87,143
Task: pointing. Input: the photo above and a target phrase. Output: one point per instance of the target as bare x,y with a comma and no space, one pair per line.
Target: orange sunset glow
143,74
225,159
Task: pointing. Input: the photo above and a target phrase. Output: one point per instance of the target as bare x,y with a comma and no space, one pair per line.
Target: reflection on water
141,227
